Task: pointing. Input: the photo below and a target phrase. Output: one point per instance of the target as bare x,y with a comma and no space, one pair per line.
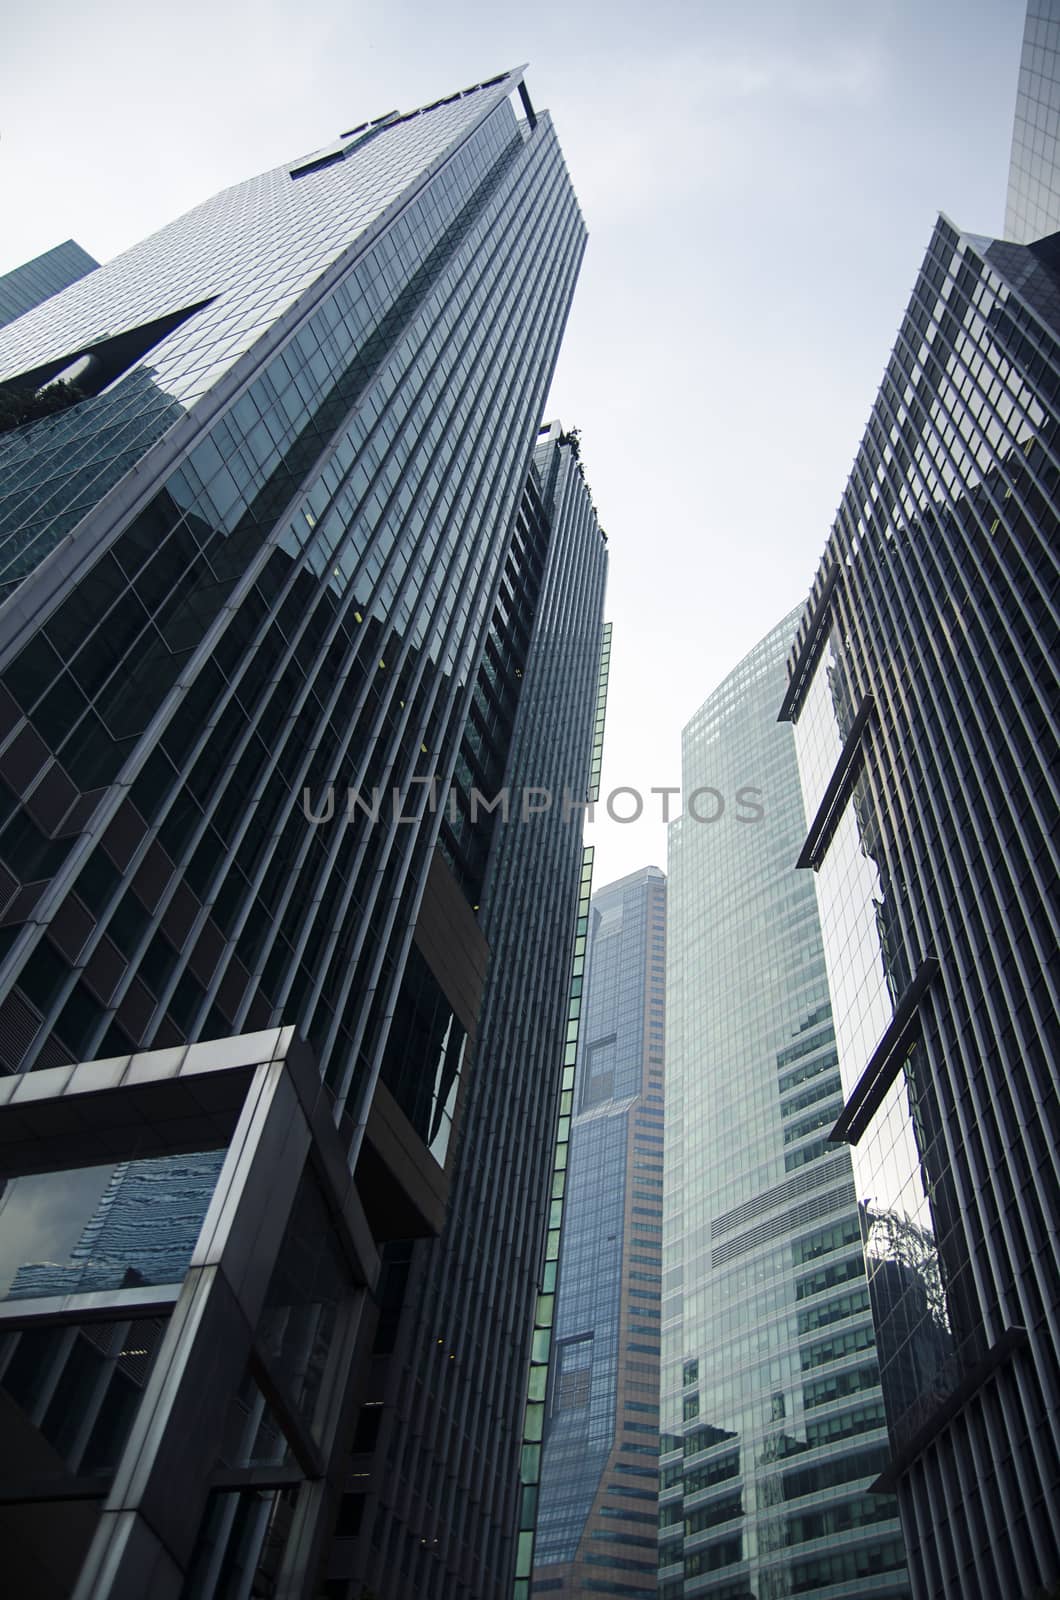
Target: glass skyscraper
1032,208
923,688
280,575
771,1412
36,281
433,1495
597,1508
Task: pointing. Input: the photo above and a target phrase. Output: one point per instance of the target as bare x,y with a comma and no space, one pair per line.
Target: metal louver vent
813,1178
19,1025
819,1206
138,1349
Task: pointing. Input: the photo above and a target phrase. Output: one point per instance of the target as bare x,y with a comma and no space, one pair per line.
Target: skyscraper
772,1416
36,281
923,692
1032,208
597,1507
432,1502
278,580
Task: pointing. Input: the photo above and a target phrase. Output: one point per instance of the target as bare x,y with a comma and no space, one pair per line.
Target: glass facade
36,281
597,1508
283,584
436,1494
922,687
300,603
1032,208
772,1414
143,1230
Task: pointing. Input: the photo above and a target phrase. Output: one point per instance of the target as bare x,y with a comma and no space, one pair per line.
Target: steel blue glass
597,1509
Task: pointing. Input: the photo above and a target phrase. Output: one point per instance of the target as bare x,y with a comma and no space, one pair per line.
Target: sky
759,184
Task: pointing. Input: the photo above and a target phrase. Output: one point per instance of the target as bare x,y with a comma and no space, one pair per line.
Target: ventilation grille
53,1053
138,1349
19,1023
820,1206
814,1178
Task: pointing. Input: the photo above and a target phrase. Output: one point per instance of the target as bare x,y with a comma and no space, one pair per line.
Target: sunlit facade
773,1427
923,692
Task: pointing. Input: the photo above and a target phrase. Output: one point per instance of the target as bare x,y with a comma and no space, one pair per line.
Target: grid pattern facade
310,538
1032,207
772,1416
35,281
442,1504
194,310
597,1508
923,686
301,603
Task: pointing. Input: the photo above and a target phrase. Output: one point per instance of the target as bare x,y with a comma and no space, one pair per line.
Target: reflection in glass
143,1222
766,1310
868,971
424,1056
446,1084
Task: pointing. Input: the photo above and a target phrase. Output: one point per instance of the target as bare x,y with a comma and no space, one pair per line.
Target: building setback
274,592
923,687
597,1505
772,1417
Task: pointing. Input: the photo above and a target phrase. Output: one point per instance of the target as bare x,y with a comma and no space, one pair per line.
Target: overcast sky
759,184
